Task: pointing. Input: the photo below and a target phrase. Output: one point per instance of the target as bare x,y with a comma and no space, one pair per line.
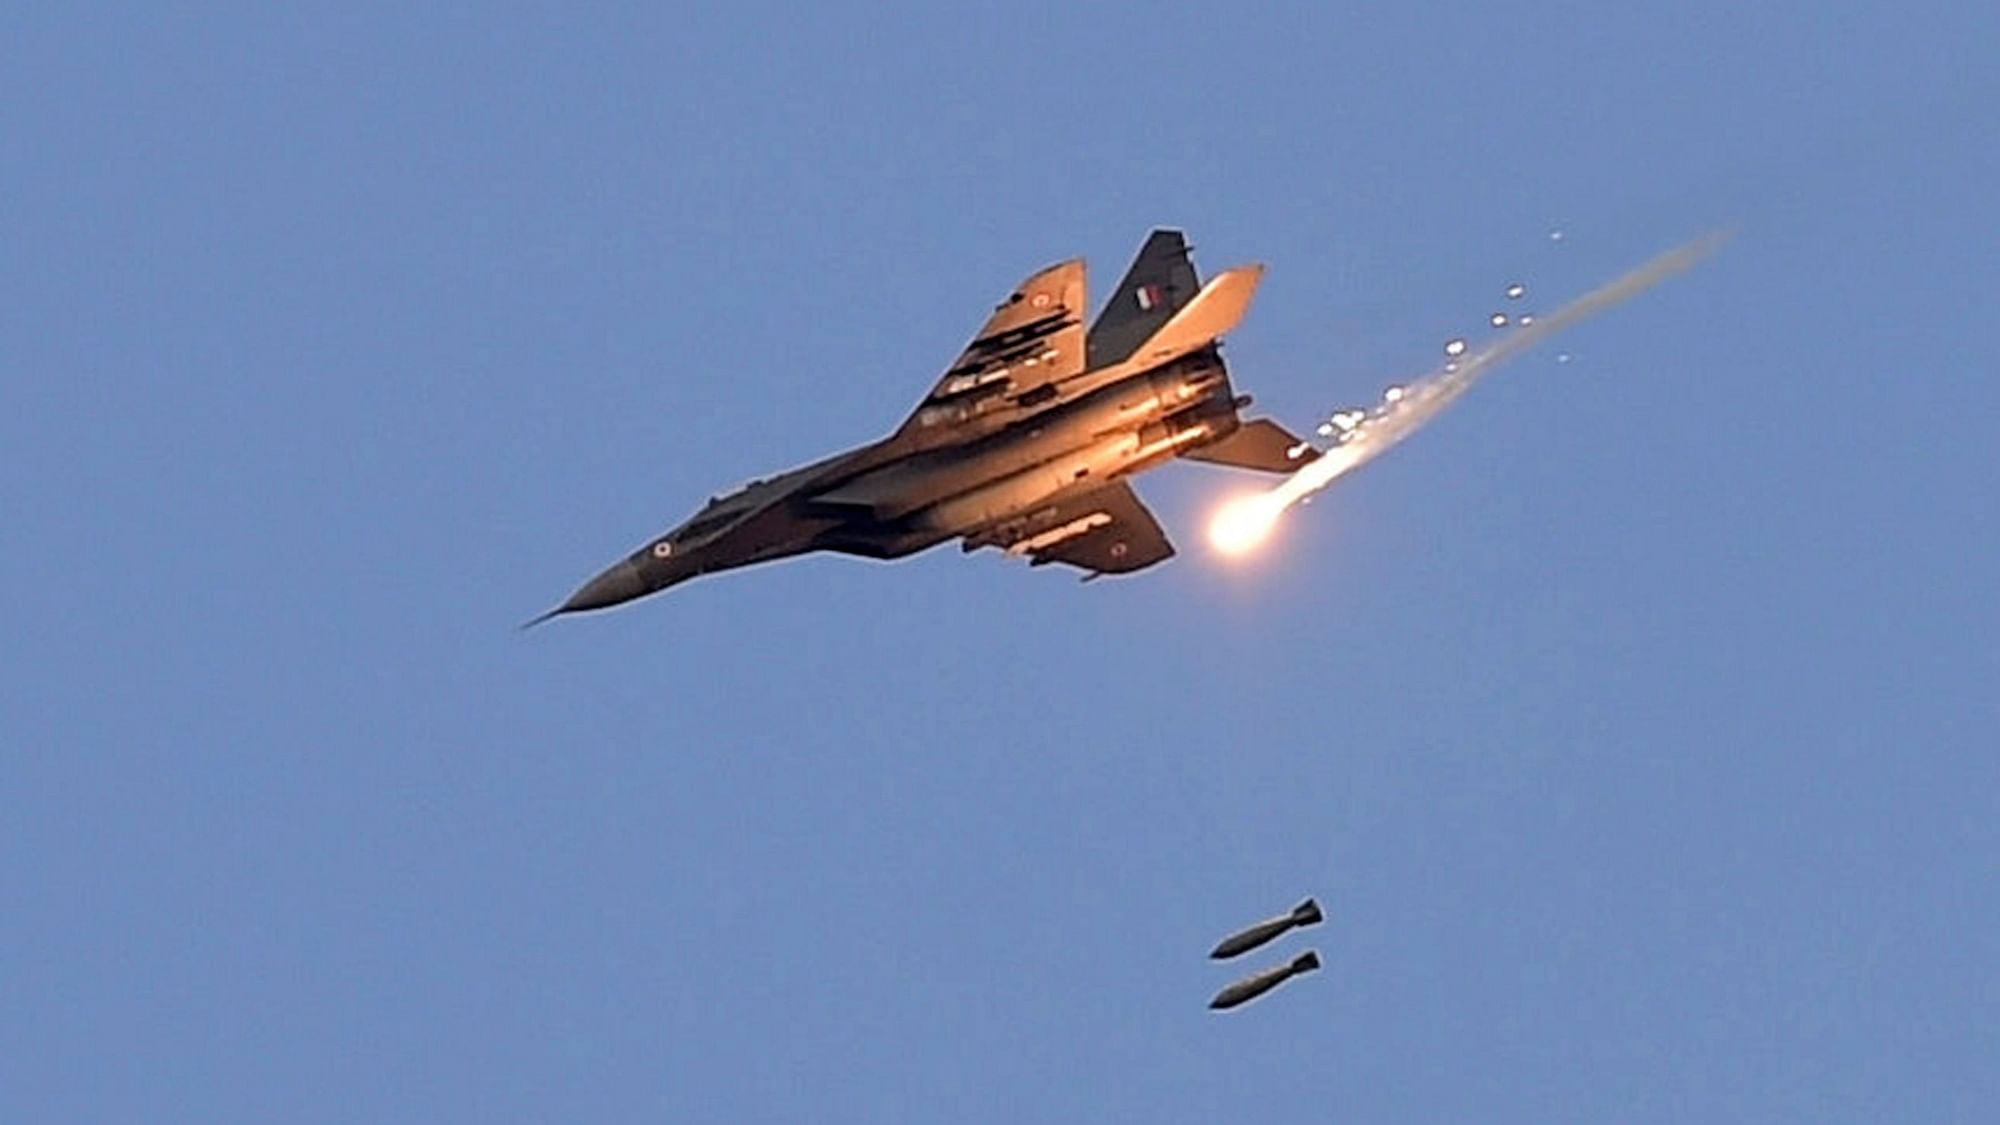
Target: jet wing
1033,339
1104,531
1161,280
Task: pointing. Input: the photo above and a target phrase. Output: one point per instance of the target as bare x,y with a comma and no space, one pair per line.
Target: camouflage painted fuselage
1025,444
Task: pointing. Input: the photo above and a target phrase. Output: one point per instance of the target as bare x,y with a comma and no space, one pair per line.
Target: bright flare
1245,522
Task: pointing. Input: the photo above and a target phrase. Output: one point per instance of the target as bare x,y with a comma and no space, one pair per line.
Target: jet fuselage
881,502
1024,444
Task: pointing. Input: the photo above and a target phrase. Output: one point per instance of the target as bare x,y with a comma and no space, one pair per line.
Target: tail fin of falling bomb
1260,444
1250,937
1305,962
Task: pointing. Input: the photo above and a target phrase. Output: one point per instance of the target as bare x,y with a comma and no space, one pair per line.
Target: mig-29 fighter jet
1025,444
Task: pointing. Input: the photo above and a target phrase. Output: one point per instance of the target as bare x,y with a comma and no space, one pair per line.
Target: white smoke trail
1365,435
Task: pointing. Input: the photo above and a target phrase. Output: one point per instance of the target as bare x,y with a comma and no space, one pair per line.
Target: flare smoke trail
1404,412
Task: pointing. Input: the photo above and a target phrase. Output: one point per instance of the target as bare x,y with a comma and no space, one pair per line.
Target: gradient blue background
1637,723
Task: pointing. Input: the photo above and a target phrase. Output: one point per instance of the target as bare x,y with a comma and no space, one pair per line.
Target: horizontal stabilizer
1260,444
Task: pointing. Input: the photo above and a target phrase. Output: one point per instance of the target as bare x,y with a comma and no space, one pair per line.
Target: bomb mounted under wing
1026,444
1244,940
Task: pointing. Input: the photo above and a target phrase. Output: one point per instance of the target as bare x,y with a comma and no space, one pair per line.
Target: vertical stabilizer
1214,311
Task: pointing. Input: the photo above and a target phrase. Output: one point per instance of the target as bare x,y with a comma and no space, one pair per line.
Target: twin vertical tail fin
1160,280
1216,310
1213,312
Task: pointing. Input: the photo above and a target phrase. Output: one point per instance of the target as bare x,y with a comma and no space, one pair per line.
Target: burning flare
1245,522
1359,436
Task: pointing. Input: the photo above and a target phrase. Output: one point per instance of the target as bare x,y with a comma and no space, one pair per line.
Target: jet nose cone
621,583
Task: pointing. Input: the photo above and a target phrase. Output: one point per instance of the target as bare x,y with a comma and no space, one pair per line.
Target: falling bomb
1243,941
1257,984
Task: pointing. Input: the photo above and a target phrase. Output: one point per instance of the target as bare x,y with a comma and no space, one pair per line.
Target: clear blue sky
1636,723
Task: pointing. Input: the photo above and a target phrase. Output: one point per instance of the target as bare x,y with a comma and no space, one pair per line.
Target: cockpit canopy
707,522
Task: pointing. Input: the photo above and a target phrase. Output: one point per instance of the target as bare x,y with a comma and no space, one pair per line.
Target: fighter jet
1026,444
